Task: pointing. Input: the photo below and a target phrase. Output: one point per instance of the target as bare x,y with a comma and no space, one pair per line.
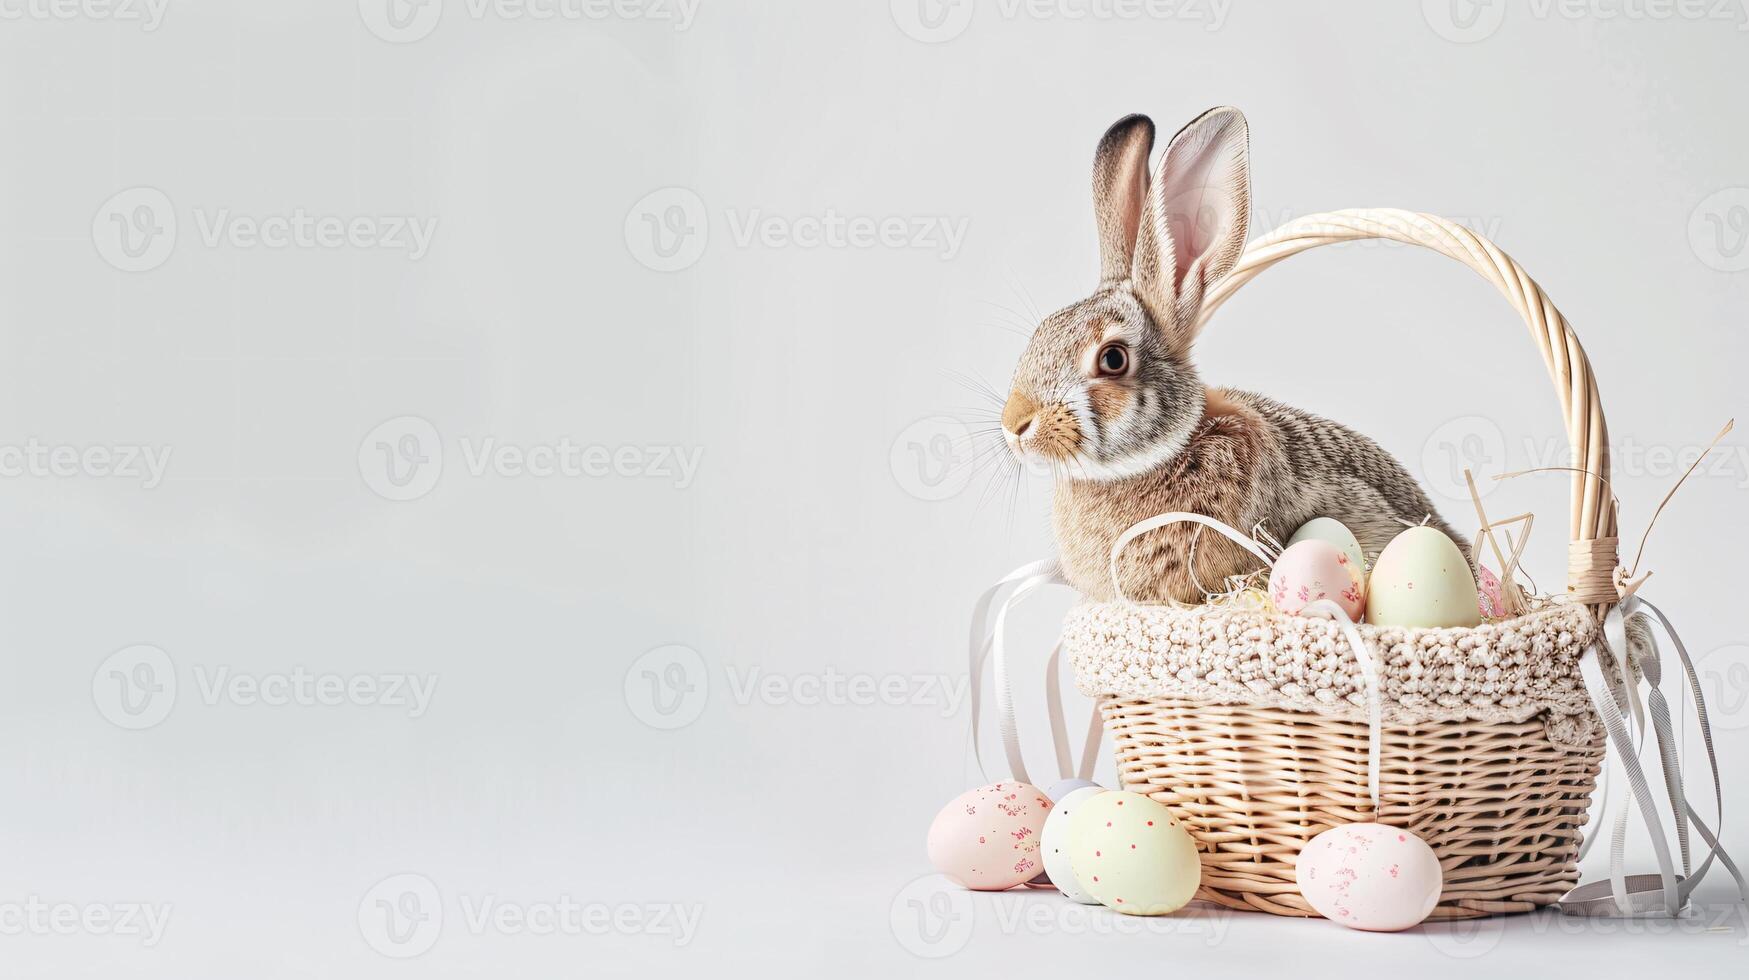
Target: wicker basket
1256,764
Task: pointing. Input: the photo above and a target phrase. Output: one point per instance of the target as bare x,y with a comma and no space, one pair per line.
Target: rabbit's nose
1018,414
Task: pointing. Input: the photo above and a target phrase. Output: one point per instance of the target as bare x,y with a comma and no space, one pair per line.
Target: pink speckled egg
1370,876
1312,569
1488,597
988,838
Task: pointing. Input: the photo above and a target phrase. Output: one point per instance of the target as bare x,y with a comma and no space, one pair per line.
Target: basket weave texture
1252,728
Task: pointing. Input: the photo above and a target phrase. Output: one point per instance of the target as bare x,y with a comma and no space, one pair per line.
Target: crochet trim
1509,671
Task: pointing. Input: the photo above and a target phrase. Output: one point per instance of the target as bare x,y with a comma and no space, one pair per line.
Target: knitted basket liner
1511,670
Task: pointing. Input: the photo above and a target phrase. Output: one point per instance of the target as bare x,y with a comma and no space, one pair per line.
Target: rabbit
1106,392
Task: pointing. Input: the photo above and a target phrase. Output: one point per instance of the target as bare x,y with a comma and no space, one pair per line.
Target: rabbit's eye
1114,359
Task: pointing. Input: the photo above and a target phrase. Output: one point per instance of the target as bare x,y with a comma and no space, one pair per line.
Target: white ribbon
987,645
1665,893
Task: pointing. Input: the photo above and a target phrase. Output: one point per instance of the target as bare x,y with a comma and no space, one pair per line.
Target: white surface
812,557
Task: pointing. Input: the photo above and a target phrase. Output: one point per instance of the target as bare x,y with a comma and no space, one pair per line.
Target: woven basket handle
1592,550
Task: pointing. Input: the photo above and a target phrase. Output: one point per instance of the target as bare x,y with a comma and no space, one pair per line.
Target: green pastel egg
1131,854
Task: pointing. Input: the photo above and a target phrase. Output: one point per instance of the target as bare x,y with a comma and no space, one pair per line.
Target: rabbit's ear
1198,211
1120,189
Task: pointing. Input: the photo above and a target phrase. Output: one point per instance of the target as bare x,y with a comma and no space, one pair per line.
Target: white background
832,536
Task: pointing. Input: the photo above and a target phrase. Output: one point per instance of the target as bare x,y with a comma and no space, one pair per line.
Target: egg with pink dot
988,838
1058,792
1490,596
1310,570
1132,855
1056,840
1370,876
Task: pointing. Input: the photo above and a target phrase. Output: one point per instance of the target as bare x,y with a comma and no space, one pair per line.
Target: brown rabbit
1106,391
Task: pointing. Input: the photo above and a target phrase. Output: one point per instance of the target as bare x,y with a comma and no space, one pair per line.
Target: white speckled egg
1369,876
1129,852
988,838
1056,791
1335,532
1313,570
1056,845
1422,580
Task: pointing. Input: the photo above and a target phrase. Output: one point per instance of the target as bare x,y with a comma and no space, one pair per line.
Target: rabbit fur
1107,394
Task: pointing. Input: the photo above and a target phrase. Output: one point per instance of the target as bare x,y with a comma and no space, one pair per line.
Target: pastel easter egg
988,838
1335,532
1058,790
1369,876
1488,598
1422,580
1056,845
1128,851
1313,570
